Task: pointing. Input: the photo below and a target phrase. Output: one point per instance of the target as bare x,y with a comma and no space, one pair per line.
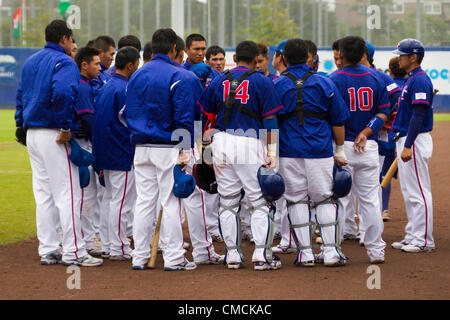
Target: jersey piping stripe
354,74
81,212
272,111
84,111
84,81
395,90
421,191
71,197
120,210
421,101
384,105
409,79
181,226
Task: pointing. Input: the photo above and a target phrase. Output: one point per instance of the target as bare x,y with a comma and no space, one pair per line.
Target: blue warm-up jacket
159,101
47,90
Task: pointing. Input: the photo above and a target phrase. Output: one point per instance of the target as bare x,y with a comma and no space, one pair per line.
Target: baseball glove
21,135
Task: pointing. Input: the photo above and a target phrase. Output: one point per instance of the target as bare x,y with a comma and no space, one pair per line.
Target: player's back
364,94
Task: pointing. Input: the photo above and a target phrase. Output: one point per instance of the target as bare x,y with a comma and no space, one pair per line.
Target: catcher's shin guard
263,229
299,216
230,226
328,214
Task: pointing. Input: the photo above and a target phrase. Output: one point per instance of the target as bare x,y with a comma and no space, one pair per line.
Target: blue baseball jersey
84,105
364,94
400,81
111,144
418,90
159,101
256,93
48,90
313,139
102,79
392,89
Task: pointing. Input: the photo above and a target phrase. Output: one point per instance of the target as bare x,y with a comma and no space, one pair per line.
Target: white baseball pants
121,193
212,212
57,193
416,189
236,163
195,206
154,177
365,171
311,179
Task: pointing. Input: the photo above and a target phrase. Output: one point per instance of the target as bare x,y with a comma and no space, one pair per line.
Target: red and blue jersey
418,90
364,94
187,65
320,95
392,89
111,144
256,93
400,81
85,100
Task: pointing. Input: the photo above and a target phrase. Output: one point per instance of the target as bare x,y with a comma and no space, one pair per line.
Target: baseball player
263,61
147,55
159,101
413,123
196,51
114,155
203,249
74,50
107,49
366,98
314,112
398,76
277,61
244,101
45,108
215,57
126,41
88,63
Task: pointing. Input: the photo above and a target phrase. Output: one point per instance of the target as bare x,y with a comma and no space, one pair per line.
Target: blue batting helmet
410,46
271,183
280,47
342,182
79,156
371,50
183,183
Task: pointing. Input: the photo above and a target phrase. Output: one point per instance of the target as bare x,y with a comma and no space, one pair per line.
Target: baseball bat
388,177
155,242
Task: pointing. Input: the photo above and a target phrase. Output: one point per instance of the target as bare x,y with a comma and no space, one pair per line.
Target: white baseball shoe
186,265
121,257
339,263
415,249
51,258
283,249
214,259
399,244
275,264
85,261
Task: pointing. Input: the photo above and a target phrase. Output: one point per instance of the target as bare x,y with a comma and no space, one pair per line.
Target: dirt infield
403,276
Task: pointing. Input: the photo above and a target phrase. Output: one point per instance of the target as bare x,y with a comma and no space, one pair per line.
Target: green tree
272,23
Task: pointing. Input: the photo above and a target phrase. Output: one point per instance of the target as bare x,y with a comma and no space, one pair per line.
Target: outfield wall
436,64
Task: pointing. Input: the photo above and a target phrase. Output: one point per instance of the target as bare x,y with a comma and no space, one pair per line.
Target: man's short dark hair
312,48
90,43
85,54
214,51
147,55
335,45
295,51
104,43
194,37
57,29
179,47
163,40
352,48
394,67
130,41
247,51
367,52
263,50
126,55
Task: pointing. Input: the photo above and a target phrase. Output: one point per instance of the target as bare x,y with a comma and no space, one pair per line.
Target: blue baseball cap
79,156
410,46
280,47
183,183
371,49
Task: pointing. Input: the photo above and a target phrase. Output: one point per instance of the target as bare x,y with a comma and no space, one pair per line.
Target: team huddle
240,153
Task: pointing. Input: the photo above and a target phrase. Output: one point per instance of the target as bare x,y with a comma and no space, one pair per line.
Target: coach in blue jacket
159,104
45,107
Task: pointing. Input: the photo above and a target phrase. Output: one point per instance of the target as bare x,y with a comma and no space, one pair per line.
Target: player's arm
65,85
84,107
419,112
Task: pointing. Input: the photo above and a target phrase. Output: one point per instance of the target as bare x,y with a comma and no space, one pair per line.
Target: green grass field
17,207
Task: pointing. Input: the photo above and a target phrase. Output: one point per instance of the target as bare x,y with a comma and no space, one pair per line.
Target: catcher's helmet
205,177
183,183
271,183
342,182
410,46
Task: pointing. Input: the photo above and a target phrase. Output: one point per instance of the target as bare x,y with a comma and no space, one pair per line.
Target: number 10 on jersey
364,99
